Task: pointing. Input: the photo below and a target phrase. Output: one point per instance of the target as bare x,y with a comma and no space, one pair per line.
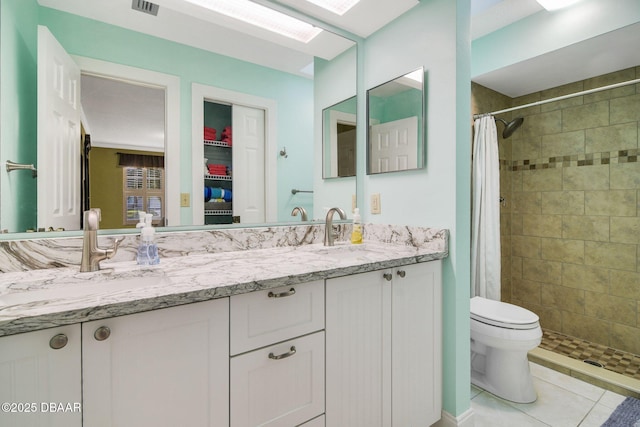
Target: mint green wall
18,42
434,34
335,81
293,94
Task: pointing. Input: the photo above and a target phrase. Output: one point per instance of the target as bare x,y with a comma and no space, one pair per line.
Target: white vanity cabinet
277,363
166,367
38,369
383,347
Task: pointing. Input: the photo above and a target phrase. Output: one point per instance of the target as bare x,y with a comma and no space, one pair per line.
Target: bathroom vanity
263,344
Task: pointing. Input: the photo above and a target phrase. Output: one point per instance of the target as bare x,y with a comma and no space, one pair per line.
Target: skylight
339,7
263,17
556,4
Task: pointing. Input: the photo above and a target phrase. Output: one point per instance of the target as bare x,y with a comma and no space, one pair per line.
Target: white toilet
501,336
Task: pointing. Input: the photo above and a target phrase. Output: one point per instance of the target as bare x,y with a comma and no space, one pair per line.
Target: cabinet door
384,347
416,344
165,367
279,386
358,351
316,422
33,375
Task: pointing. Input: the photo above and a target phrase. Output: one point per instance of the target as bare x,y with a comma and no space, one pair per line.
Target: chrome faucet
303,213
329,235
91,253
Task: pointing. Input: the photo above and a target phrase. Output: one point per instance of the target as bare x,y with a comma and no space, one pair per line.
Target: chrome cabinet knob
102,333
58,341
401,273
388,276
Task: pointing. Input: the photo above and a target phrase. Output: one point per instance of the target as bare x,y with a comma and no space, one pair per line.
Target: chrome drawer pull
288,293
283,355
58,341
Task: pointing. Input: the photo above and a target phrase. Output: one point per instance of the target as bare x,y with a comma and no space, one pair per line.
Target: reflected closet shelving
218,153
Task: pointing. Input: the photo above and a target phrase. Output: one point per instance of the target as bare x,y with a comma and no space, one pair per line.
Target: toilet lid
502,314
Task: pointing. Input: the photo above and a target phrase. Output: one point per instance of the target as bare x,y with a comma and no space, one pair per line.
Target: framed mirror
339,139
395,135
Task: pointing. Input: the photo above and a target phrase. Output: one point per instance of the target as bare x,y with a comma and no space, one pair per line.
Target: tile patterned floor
563,401
627,364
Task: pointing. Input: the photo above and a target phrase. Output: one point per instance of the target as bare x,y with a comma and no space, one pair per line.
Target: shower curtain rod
559,98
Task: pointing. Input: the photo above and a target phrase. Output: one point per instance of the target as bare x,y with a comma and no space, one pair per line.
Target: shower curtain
485,211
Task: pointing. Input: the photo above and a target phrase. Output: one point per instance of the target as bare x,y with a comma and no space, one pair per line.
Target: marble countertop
39,299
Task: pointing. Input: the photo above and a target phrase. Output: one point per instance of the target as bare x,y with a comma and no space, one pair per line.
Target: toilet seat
502,314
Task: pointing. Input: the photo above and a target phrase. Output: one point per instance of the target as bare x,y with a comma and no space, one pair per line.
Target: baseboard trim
463,420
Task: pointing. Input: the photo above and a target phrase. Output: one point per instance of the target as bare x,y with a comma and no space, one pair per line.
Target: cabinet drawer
279,386
262,318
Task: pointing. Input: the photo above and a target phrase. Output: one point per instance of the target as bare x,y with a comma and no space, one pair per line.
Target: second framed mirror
395,134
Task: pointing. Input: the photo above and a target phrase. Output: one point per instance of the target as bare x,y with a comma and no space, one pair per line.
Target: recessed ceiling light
339,7
263,17
556,4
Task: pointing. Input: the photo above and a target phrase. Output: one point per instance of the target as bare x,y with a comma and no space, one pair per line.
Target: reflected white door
58,135
248,164
393,145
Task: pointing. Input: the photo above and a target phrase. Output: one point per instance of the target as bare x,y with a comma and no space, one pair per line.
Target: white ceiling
589,58
120,114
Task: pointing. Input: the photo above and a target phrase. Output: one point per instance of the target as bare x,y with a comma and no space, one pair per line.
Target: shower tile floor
624,363
563,401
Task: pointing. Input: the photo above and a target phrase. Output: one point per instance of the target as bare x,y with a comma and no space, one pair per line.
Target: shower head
510,128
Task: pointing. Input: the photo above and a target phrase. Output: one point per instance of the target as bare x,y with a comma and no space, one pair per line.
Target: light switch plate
375,203
354,203
185,200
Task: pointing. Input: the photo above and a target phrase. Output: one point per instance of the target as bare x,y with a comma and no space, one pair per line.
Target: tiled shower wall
571,219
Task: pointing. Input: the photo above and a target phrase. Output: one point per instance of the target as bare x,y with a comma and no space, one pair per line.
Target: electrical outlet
375,203
185,200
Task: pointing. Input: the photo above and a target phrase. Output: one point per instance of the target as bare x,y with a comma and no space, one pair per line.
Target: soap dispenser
356,232
148,249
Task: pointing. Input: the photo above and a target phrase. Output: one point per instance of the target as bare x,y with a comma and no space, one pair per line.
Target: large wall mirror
395,112
175,43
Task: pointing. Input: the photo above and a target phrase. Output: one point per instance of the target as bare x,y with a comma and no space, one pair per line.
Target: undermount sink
80,289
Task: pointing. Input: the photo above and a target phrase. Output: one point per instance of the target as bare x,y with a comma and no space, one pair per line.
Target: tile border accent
574,160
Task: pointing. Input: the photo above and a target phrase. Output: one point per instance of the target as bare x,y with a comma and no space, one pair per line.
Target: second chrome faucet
329,234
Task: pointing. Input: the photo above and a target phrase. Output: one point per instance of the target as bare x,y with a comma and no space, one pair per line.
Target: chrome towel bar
294,191
13,166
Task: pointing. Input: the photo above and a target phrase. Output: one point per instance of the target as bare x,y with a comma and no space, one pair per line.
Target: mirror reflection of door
58,201
126,124
395,112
